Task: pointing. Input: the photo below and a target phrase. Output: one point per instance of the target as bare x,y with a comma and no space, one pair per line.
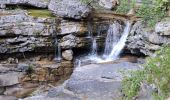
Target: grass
44,13
156,71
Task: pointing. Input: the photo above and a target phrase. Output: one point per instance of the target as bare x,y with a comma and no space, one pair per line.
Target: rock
67,55
108,4
9,79
163,28
37,3
69,8
2,90
68,41
67,27
142,41
23,67
2,97
145,92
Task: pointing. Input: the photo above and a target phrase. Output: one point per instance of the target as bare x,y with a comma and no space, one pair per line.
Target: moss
40,13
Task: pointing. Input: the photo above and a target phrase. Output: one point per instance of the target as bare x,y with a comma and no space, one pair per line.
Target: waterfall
120,44
94,47
57,51
113,35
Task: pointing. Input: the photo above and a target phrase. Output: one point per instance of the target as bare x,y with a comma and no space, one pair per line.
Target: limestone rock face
69,8
68,27
143,41
67,54
24,32
35,3
108,4
163,28
69,41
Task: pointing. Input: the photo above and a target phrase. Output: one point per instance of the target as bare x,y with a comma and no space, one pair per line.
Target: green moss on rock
40,13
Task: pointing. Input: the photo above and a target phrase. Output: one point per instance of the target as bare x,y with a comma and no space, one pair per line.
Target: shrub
156,71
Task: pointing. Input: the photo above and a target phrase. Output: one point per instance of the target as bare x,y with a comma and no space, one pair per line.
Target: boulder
69,8
67,55
9,79
34,3
163,28
108,4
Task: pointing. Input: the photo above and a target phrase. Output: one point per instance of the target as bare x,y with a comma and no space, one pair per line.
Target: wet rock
10,79
68,41
69,8
108,4
37,3
163,28
67,55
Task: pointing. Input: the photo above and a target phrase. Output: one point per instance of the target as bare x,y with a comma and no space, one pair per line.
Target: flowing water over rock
57,51
114,43
94,47
112,38
116,50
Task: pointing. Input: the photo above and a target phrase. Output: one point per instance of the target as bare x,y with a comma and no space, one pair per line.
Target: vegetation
156,72
40,13
125,6
30,70
151,14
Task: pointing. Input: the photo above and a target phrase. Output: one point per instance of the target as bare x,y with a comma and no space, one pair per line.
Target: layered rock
25,33
34,3
144,41
69,8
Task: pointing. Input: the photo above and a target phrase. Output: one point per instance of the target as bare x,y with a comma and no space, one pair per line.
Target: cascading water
94,48
120,45
113,35
57,51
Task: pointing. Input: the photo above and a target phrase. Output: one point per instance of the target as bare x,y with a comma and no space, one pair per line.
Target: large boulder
35,3
69,8
108,4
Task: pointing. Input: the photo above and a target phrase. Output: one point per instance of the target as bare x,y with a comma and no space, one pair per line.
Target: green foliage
30,70
152,13
86,1
156,71
131,85
125,6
